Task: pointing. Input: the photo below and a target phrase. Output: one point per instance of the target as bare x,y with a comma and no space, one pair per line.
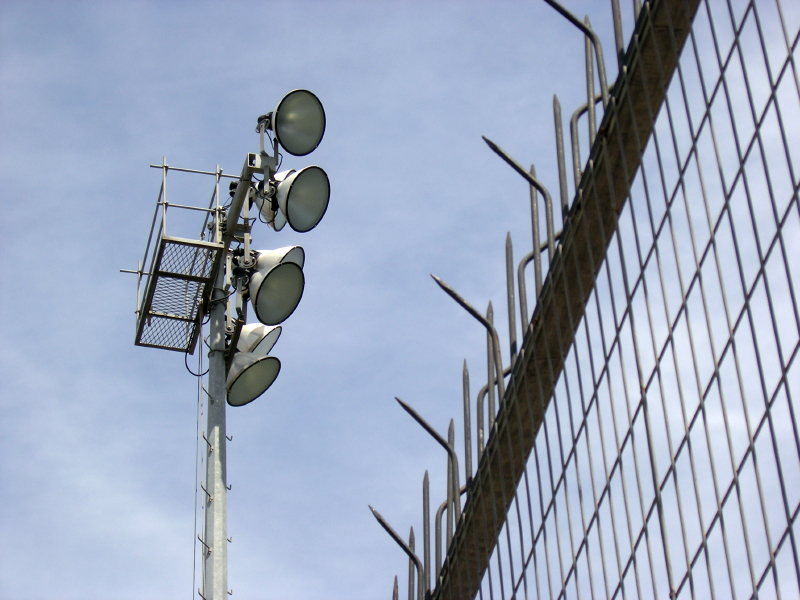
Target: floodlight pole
215,539
224,331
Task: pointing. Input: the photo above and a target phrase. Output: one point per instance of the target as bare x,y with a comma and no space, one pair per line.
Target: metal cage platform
179,274
179,283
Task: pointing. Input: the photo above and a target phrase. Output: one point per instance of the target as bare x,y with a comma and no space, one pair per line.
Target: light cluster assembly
273,280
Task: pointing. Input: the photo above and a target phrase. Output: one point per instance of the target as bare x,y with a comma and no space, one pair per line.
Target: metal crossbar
647,443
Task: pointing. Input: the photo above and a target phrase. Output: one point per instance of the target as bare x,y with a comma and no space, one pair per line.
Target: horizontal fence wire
665,459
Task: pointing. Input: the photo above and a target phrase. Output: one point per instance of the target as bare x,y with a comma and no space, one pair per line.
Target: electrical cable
186,362
215,300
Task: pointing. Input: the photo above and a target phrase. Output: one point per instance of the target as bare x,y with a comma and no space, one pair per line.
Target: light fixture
277,283
303,197
299,122
258,339
274,218
250,376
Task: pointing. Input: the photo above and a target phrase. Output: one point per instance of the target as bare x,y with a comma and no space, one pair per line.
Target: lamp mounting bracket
262,128
231,349
264,122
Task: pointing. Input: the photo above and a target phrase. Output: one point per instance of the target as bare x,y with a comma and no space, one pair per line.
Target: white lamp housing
277,283
250,376
303,197
299,122
258,339
275,218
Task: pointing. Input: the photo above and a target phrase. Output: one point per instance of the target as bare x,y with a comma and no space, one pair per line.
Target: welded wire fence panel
666,460
644,441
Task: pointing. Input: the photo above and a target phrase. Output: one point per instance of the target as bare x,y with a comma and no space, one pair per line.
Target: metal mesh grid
180,281
668,459
176,297
184,259
166,333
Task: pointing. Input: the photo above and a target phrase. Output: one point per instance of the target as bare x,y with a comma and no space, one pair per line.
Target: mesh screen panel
180,283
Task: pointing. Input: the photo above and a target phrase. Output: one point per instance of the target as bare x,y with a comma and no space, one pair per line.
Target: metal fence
644,441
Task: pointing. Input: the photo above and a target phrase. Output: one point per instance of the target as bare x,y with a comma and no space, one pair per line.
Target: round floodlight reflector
276,293
250,376
303,198
277,283
299,122
258,339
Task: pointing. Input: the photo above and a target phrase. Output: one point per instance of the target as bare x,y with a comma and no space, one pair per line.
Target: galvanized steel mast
215,579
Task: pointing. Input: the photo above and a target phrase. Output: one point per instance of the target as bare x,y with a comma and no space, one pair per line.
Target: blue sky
98,436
